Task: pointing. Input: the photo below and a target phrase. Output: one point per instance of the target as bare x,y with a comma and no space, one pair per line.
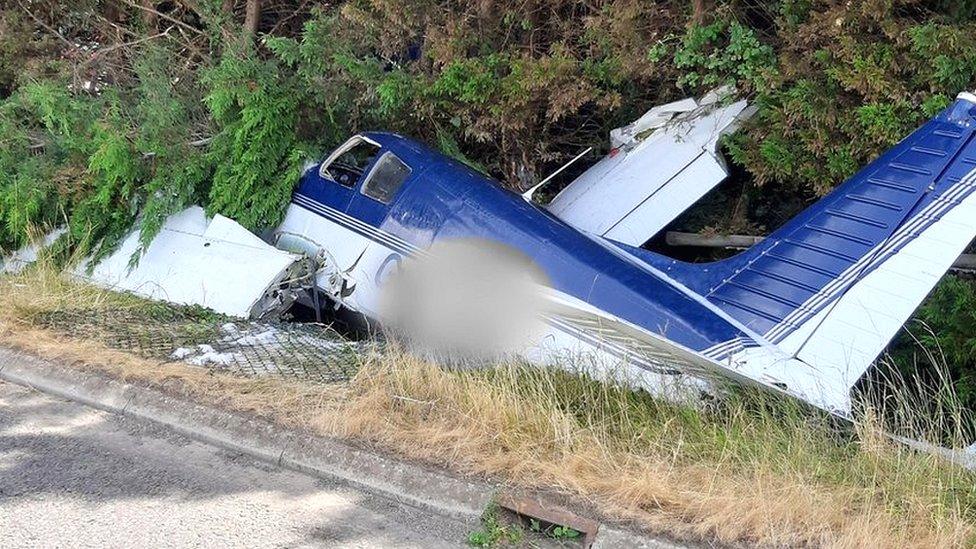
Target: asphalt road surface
72,476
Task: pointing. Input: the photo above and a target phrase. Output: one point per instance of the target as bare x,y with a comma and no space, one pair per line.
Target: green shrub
513,91
47,140
852,80
942,335
724,53
169,111
255,151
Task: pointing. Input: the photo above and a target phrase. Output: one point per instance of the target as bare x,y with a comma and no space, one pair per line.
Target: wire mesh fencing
305,352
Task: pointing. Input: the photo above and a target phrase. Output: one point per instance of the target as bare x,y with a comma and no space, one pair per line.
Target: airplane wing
215,263
659,166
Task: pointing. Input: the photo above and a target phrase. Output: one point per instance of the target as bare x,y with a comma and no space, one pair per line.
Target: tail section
833,286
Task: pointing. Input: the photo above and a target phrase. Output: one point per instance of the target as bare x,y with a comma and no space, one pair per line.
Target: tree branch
252,17
159,14
44,25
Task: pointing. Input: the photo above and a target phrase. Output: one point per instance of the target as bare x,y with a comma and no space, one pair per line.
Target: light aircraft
805,312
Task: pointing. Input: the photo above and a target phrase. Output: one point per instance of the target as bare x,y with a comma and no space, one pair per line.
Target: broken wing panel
662,164
217,264
653,214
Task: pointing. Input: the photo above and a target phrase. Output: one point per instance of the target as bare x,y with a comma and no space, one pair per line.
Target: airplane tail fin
836,283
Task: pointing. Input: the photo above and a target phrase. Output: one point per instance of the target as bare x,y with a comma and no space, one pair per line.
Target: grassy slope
745,470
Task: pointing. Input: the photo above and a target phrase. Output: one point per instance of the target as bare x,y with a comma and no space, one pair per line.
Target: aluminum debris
217,264
20,259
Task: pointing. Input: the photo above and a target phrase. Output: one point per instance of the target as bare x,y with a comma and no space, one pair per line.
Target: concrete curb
457,498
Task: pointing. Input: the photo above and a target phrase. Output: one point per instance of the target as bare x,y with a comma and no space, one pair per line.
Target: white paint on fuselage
342,252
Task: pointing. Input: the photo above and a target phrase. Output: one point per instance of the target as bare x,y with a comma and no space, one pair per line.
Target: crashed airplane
804,313
397,233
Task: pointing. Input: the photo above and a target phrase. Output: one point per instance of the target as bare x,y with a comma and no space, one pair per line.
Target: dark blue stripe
378,236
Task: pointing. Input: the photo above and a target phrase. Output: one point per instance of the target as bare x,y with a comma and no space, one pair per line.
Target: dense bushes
513,89
510,89
853,79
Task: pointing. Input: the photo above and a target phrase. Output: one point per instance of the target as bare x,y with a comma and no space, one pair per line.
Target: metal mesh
307,352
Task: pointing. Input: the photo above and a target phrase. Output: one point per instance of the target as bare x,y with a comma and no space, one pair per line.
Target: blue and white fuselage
804,312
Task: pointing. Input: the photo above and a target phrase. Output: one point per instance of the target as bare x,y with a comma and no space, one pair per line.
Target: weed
564,533
554,531
494,532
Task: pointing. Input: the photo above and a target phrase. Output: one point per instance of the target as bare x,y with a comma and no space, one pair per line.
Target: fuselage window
353,159
385,178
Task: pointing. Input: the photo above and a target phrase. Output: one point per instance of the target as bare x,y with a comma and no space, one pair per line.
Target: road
73,476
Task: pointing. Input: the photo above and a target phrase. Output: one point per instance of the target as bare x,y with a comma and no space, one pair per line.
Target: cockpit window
385,178
347,165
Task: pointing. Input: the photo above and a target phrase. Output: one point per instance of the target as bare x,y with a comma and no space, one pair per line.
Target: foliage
564,532
99,160
494,531
515,88
722,53
554,531
178,172
256,156
46,140
945,323
512,89
853,80
114,171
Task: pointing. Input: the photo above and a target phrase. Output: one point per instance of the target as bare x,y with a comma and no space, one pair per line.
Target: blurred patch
466,302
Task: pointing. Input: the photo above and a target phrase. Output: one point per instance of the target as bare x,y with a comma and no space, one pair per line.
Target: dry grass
746,470
750,470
